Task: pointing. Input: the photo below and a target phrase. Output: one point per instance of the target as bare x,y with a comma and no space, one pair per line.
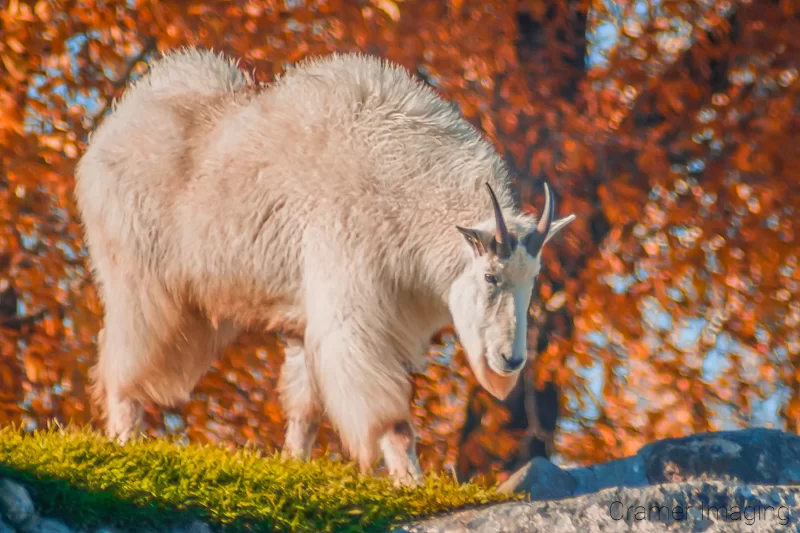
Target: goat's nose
512,363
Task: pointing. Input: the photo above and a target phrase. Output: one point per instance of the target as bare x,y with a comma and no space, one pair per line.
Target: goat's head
489,301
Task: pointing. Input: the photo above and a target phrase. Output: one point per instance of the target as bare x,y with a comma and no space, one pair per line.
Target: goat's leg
357,365
364,395
300,402
122,412
152,348
124,416
399,449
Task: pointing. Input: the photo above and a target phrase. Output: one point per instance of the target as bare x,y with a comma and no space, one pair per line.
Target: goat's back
209,182
145,153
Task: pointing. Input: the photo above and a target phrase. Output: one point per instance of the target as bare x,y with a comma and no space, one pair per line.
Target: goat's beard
495,384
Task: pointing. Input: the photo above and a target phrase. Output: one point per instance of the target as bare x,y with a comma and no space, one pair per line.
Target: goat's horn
535,239
501,236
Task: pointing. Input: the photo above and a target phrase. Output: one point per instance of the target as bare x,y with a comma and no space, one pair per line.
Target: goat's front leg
399,448
300,436
301,405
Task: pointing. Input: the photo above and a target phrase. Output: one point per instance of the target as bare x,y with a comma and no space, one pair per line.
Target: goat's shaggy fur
322,205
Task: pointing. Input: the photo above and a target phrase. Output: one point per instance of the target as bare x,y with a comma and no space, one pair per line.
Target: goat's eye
490,279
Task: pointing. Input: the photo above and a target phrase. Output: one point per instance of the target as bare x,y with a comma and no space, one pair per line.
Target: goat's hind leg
152,349
301,405
122,412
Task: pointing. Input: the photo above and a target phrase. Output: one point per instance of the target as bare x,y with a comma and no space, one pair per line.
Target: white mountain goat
345,205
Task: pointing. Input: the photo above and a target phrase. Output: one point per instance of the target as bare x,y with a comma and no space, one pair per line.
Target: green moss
80,477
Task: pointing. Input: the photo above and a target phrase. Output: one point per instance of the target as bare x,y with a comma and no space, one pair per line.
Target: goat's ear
557,226
477,238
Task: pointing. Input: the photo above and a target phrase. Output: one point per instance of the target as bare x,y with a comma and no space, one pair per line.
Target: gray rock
713,507
542,480
16,505
5,528
47,525
627,472
756,455
196,526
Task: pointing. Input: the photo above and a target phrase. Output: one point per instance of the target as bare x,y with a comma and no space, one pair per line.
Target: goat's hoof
409,479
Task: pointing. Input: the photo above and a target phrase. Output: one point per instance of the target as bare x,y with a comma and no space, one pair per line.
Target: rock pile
18,515
18,512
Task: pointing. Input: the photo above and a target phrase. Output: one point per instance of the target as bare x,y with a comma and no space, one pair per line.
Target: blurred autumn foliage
669,307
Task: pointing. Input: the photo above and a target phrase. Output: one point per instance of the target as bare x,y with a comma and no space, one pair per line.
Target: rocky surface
746,480
702,506
18,512
16,506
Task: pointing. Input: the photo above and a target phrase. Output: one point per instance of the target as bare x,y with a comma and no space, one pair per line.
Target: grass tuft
80,477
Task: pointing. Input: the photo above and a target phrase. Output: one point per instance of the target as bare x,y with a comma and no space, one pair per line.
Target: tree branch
16,322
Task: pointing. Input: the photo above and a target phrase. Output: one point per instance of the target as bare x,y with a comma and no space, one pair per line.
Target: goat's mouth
496,379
